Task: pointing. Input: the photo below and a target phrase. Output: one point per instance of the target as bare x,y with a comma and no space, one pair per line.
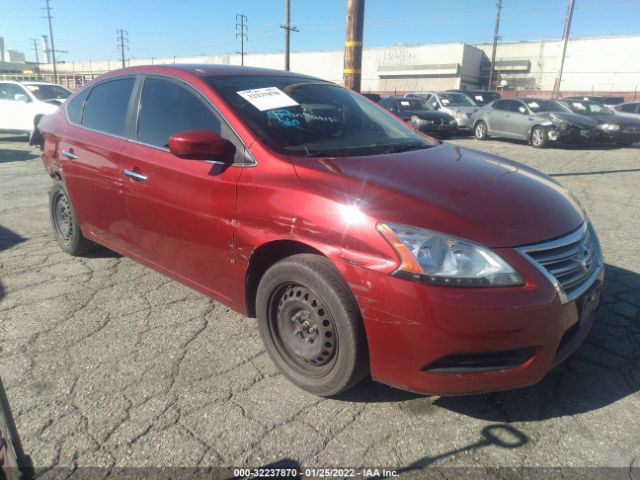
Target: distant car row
540,122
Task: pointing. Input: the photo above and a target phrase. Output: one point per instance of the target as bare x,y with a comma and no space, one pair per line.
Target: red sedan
362,246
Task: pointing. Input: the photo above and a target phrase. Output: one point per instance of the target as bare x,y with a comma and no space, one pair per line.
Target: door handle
69,154
134,175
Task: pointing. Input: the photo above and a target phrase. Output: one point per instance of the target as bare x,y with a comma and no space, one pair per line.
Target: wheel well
262,258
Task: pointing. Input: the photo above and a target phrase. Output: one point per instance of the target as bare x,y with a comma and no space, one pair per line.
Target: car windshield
456,100
537,106
47,92
300,116
589,108
414,104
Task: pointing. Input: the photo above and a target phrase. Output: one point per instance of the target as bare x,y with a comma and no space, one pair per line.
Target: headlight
443,260
609,127
460,115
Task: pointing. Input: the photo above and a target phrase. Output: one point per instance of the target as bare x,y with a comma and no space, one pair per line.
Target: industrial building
592,64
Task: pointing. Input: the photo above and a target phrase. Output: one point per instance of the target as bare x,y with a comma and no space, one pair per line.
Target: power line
123,42
287,31
241,34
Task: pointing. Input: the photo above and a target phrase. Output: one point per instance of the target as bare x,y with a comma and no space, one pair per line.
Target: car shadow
602,371
10,155
8,238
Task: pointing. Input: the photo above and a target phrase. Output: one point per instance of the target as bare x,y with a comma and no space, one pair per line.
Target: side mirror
198,145
21,97
435,105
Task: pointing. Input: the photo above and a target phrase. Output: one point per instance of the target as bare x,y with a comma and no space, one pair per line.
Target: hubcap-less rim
303,330
63,219
537,137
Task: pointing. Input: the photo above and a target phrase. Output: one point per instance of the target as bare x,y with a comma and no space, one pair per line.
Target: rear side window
167,108
75,107
107,105
502,105
629,108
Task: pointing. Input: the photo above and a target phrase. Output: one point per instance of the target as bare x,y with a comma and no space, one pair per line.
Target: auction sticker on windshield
267,98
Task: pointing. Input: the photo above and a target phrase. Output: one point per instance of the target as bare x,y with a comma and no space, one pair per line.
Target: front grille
571,262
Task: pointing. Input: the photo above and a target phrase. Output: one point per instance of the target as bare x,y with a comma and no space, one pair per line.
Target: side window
107,105
75,107
517,107
167,108
502,105
8,91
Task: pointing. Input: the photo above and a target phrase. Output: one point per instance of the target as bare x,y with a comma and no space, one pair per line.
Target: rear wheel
311,325
481,131
65,223
538,137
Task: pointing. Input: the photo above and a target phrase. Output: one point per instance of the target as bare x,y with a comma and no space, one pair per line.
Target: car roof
209,70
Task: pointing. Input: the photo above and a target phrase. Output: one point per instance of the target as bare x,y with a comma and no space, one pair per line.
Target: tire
481,131
311,325
64,223
539,137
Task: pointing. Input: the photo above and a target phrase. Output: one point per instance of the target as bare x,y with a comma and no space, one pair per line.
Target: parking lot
110,364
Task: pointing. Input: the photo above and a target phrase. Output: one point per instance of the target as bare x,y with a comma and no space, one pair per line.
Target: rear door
496,116
518,120
181,211
89,151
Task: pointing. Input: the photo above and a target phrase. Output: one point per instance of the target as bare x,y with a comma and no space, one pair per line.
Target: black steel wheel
311,325
65,223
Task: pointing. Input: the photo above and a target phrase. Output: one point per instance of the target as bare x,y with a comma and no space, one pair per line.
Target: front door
181,211
15,114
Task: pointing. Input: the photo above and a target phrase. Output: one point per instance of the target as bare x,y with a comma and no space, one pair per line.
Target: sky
86,29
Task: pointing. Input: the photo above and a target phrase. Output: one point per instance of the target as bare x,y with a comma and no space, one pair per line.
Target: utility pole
241,34
353,45
35,50
287,31
53,48
565,39
123,42
495,43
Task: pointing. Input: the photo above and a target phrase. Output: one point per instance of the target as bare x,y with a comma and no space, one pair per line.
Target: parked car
362,246
538,121
607,100
631,110
22,104
624,131
374,97
480,97
458,105
422,116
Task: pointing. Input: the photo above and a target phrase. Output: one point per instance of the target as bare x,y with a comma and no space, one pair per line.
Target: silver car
631,110
535,120
459,105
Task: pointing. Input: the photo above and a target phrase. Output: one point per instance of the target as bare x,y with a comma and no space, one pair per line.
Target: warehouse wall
592,64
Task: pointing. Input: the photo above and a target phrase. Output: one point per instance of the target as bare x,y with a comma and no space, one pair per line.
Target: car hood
450,189
459,109
581,121
615,119
429,115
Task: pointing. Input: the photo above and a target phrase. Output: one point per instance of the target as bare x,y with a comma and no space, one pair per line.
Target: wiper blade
405,147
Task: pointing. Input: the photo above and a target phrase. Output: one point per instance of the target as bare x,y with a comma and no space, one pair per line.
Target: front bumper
416,333
572,134
435,128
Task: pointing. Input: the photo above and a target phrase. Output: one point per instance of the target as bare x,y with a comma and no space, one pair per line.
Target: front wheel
481,131
311,325
65,223
538,137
